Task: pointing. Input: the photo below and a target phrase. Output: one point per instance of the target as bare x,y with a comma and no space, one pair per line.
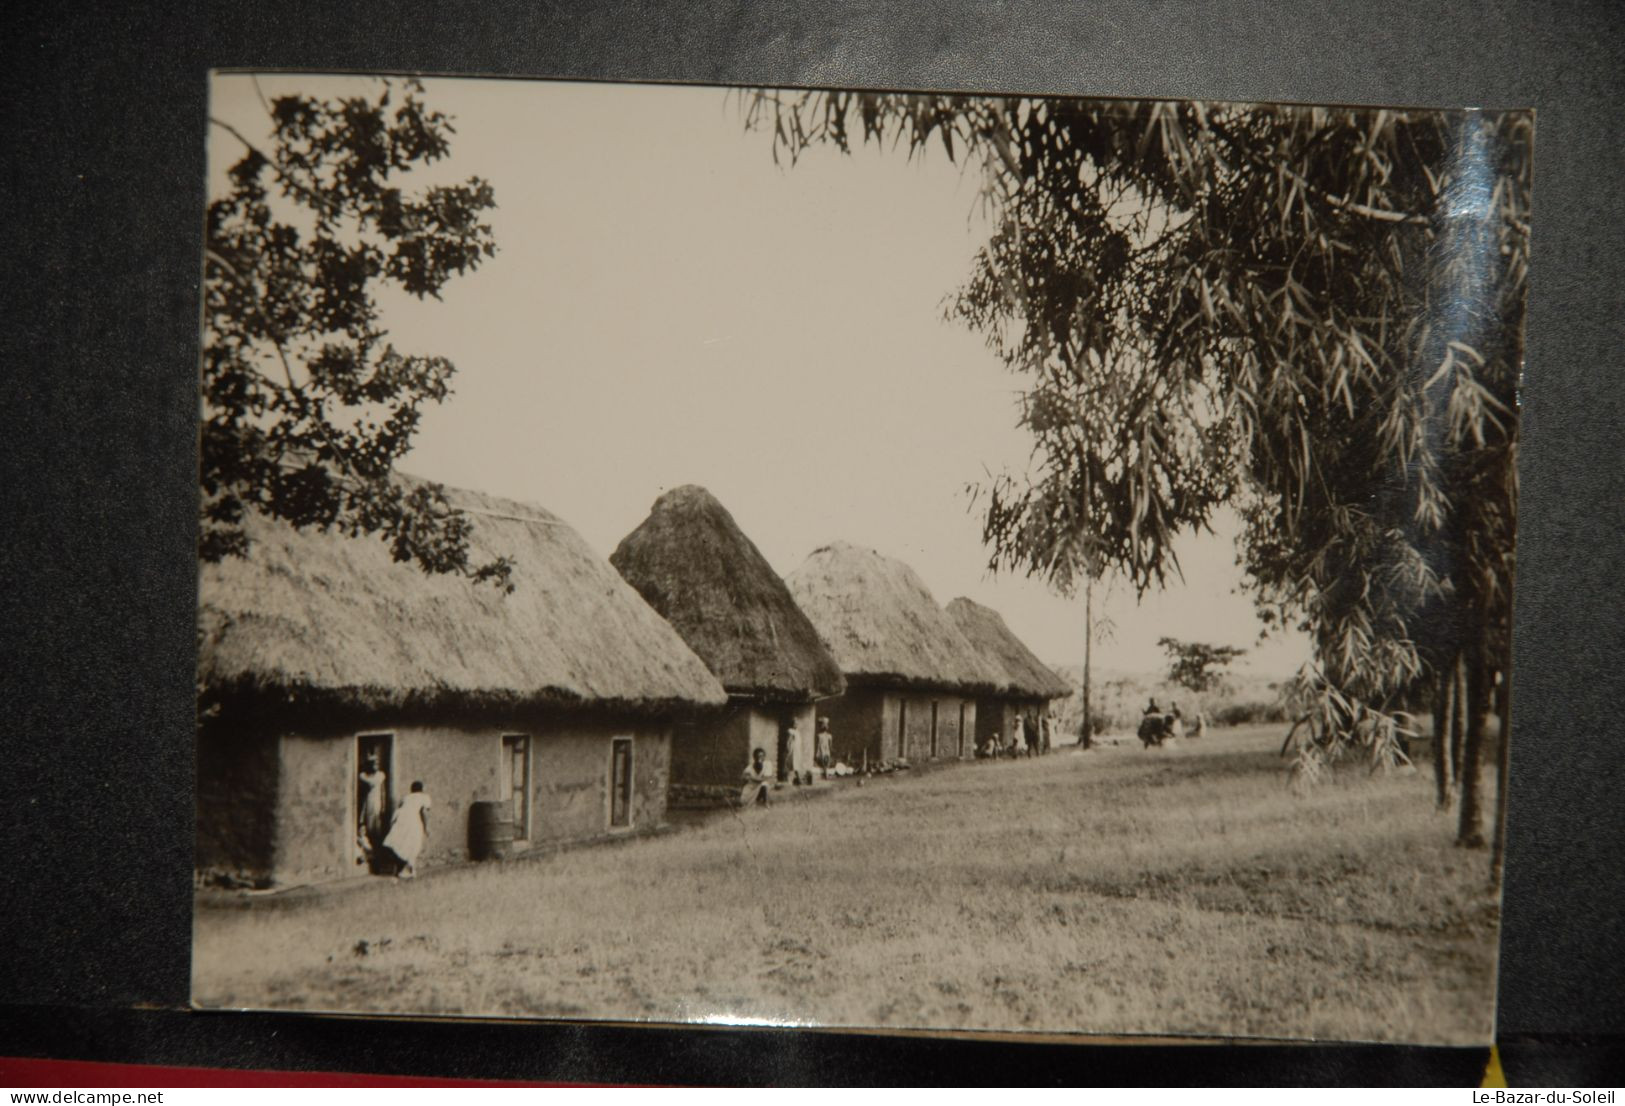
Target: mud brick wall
767,723
856,721
282,807
712,750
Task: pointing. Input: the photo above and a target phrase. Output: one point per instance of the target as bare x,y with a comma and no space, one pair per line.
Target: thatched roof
1024,674
325,618
881,623
691,562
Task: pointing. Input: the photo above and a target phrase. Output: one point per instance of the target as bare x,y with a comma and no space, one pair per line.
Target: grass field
1184,890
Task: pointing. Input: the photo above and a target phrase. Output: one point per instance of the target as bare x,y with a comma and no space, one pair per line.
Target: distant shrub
1250,714
1103,724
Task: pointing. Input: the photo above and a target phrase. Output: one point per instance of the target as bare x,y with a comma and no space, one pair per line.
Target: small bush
1248,714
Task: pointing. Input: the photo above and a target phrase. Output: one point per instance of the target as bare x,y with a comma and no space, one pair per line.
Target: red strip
74,1074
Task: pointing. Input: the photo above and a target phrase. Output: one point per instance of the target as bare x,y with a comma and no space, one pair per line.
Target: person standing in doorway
373,785
824,747
787,753
410,830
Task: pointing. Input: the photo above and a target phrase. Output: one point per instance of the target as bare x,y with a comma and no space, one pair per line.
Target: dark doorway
374,797
784,754
620,783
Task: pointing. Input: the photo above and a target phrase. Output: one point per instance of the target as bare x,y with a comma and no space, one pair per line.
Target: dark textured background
102,187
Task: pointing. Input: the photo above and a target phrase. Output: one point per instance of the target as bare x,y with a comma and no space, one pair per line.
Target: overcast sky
667,306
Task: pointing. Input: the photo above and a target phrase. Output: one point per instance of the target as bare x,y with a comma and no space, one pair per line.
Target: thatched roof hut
319,617
881,623
1024,674
691,563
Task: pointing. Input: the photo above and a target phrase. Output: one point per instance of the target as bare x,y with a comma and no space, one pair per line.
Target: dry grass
1182,890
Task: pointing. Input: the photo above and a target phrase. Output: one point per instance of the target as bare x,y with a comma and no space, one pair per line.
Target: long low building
912,678
318,652
1028,686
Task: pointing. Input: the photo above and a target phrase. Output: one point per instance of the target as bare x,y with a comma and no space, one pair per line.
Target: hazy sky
667,306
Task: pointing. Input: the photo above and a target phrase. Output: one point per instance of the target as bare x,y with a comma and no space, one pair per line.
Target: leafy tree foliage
1313,313
1197,665
306,405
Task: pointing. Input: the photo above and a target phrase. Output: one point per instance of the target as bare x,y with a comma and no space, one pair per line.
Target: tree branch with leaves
307,406
1313,314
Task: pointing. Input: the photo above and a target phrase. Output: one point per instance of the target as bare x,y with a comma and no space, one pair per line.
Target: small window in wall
620,783
933,729
516,781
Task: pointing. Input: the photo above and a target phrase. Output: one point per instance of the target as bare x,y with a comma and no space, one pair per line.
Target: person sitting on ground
757,779
990,748
410,830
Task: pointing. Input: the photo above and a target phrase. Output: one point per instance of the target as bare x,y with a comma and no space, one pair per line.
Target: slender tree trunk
1458,711
1088,732
1444,700
1470,833
1502,760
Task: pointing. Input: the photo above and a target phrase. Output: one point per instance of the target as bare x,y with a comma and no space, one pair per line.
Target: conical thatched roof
321,617
881,623
691,562
1024,674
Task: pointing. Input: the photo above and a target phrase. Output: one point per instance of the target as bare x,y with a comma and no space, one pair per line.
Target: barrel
490,830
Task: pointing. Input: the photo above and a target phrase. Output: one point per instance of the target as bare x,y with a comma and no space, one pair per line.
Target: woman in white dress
409,830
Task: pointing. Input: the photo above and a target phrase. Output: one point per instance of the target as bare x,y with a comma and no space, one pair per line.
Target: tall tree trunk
1502,760
1470,832
1087,734
1444,702
1458,699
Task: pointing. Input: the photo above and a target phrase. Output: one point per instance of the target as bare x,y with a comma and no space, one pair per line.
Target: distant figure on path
1018,741
409,830
374,821
1175,724
1199,727
756,780
824,747
1033,738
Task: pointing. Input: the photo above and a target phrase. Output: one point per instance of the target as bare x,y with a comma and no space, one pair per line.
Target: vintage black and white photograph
864,559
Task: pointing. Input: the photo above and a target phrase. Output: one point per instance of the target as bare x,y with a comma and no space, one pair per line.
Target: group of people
1156,725
1026,739
758,777
391,840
